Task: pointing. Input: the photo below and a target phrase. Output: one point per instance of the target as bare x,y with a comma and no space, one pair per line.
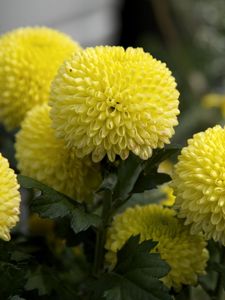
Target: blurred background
188,35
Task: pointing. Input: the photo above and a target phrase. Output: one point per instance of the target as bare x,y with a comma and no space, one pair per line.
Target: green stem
118,203
101,233
218,292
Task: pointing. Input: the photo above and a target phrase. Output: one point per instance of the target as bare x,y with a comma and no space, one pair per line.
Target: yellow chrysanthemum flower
199,183
43,157
169,199
29,59
214,100
185,253
166,167
107,100
9,199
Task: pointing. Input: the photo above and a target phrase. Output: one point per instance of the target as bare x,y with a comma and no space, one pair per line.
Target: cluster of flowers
76,106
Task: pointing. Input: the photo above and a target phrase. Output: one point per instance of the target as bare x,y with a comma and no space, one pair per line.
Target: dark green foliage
29,270
149,178
13,263
128,173
136,275
16,297
54,205
136,176
12,279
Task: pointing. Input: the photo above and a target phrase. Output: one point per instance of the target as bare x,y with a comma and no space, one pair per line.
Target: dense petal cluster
185,253
29,59
110,101
199,183
43,157
9,199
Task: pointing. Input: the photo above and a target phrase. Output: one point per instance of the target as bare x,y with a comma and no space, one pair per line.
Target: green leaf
12,278
134,288
114,293
132,247
81,220
40,281
14,263
134,255
54,205
220,268
209,281
159,155
136,275
148,181
16,297
128,173
136,175
48,281
149,177
20,256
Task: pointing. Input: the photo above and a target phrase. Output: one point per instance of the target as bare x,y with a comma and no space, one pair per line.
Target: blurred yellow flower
110,101
29,59
199,183
185,253
9,199
214,100
169,199
43,157
166,167
38,226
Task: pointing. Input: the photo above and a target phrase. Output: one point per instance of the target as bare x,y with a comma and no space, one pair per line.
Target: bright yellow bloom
185,253
214,100
43,157
9,199
107,100
199,183
29,59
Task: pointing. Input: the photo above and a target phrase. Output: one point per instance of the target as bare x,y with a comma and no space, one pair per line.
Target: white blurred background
90,22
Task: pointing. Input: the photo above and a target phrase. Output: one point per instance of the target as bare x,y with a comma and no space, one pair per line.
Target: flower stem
101,233
219,291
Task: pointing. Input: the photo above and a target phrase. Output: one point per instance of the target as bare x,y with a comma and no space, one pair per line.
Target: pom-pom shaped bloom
9,199
199,183
185,253
107,100
29,59
43,157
